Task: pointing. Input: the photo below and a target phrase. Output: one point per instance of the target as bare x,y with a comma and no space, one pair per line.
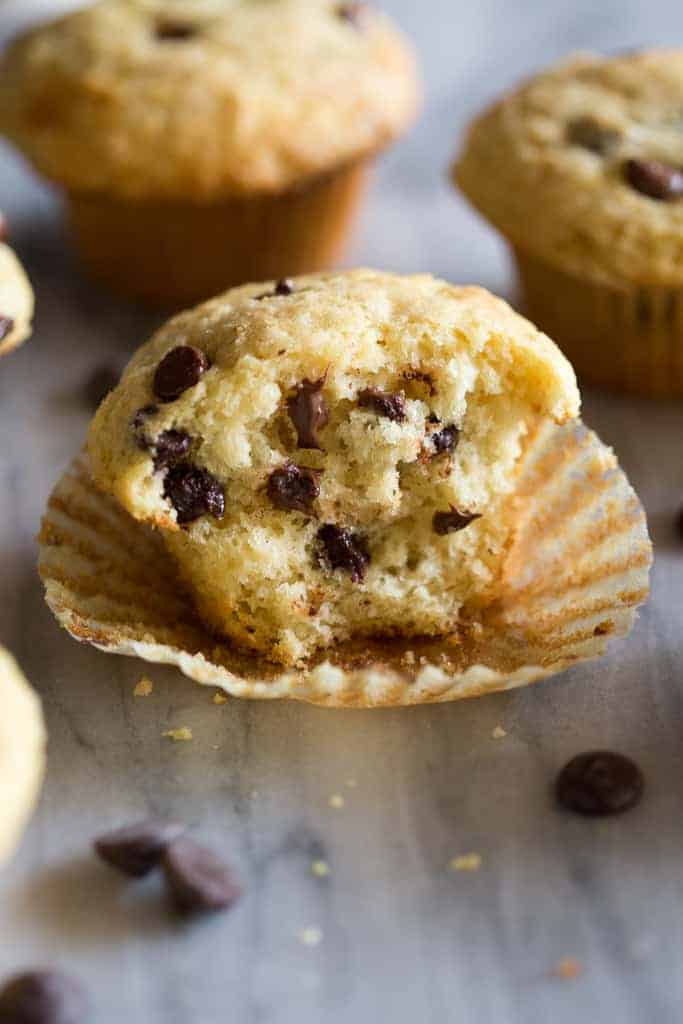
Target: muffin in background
581,170
201,144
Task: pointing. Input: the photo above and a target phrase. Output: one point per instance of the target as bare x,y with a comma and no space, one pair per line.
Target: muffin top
583,167
331,456
16,301
197,99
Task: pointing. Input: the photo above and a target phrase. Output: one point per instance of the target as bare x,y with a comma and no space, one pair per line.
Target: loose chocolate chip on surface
101,381
354,13
308,412
6,326
180,369
654,178
345,550
171,447
384,403
599,783
452,522
175,31
43,997
446,440
137,849
198,881
193,492
294,487
590,134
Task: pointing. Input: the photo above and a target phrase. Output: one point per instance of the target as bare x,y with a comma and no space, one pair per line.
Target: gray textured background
404,939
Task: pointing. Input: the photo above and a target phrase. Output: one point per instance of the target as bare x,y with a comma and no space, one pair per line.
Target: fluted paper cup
576,571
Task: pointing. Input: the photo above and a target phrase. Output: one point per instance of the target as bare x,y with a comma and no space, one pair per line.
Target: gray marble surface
402,938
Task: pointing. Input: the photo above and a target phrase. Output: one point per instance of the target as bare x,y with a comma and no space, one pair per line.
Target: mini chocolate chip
171,447
6,326
193,492
175,31
345,550
446,440
198,881
354,13
138,425
452,522
599,783
283,287
294,487
180,369
590,134
101,381
654,179
43,997
137,849
384,403
308,412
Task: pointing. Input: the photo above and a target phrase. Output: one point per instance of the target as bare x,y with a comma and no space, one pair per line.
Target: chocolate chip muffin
22,752
581,169
16,301
332,456
205,144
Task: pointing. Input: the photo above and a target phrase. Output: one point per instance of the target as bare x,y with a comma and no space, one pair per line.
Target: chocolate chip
345,550
139,425
6,326
308,412
446,440
193,492
171,447
654,179
43,997
180,369
294,487
452,522
590,134
282,288
599,783
101,381
384,403
174,31
354,13
198,881
137,849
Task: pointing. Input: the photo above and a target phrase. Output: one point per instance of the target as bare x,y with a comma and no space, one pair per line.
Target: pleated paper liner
22,753
577,570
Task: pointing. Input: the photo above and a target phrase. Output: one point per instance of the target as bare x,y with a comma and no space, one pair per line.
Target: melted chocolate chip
170,448
384,403
282,288
345,550
354,13
452,522
43,997
654,179
174,31
590,134
308,412
446,440
193,492
198,881
180,369
6,326
294,487
599,783
138,425
98,385
137,849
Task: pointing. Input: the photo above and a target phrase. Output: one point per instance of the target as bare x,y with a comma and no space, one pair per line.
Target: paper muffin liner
627,340
577,568
22,753
175,253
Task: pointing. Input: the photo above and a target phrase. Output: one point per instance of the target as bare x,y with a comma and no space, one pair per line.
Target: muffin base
576,571
172,254
624,340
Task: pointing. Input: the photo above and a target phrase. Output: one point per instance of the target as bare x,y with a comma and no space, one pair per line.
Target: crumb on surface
337,801
220,698
144,687
499,733
182,735
568,968
310,936
466,862
320,868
